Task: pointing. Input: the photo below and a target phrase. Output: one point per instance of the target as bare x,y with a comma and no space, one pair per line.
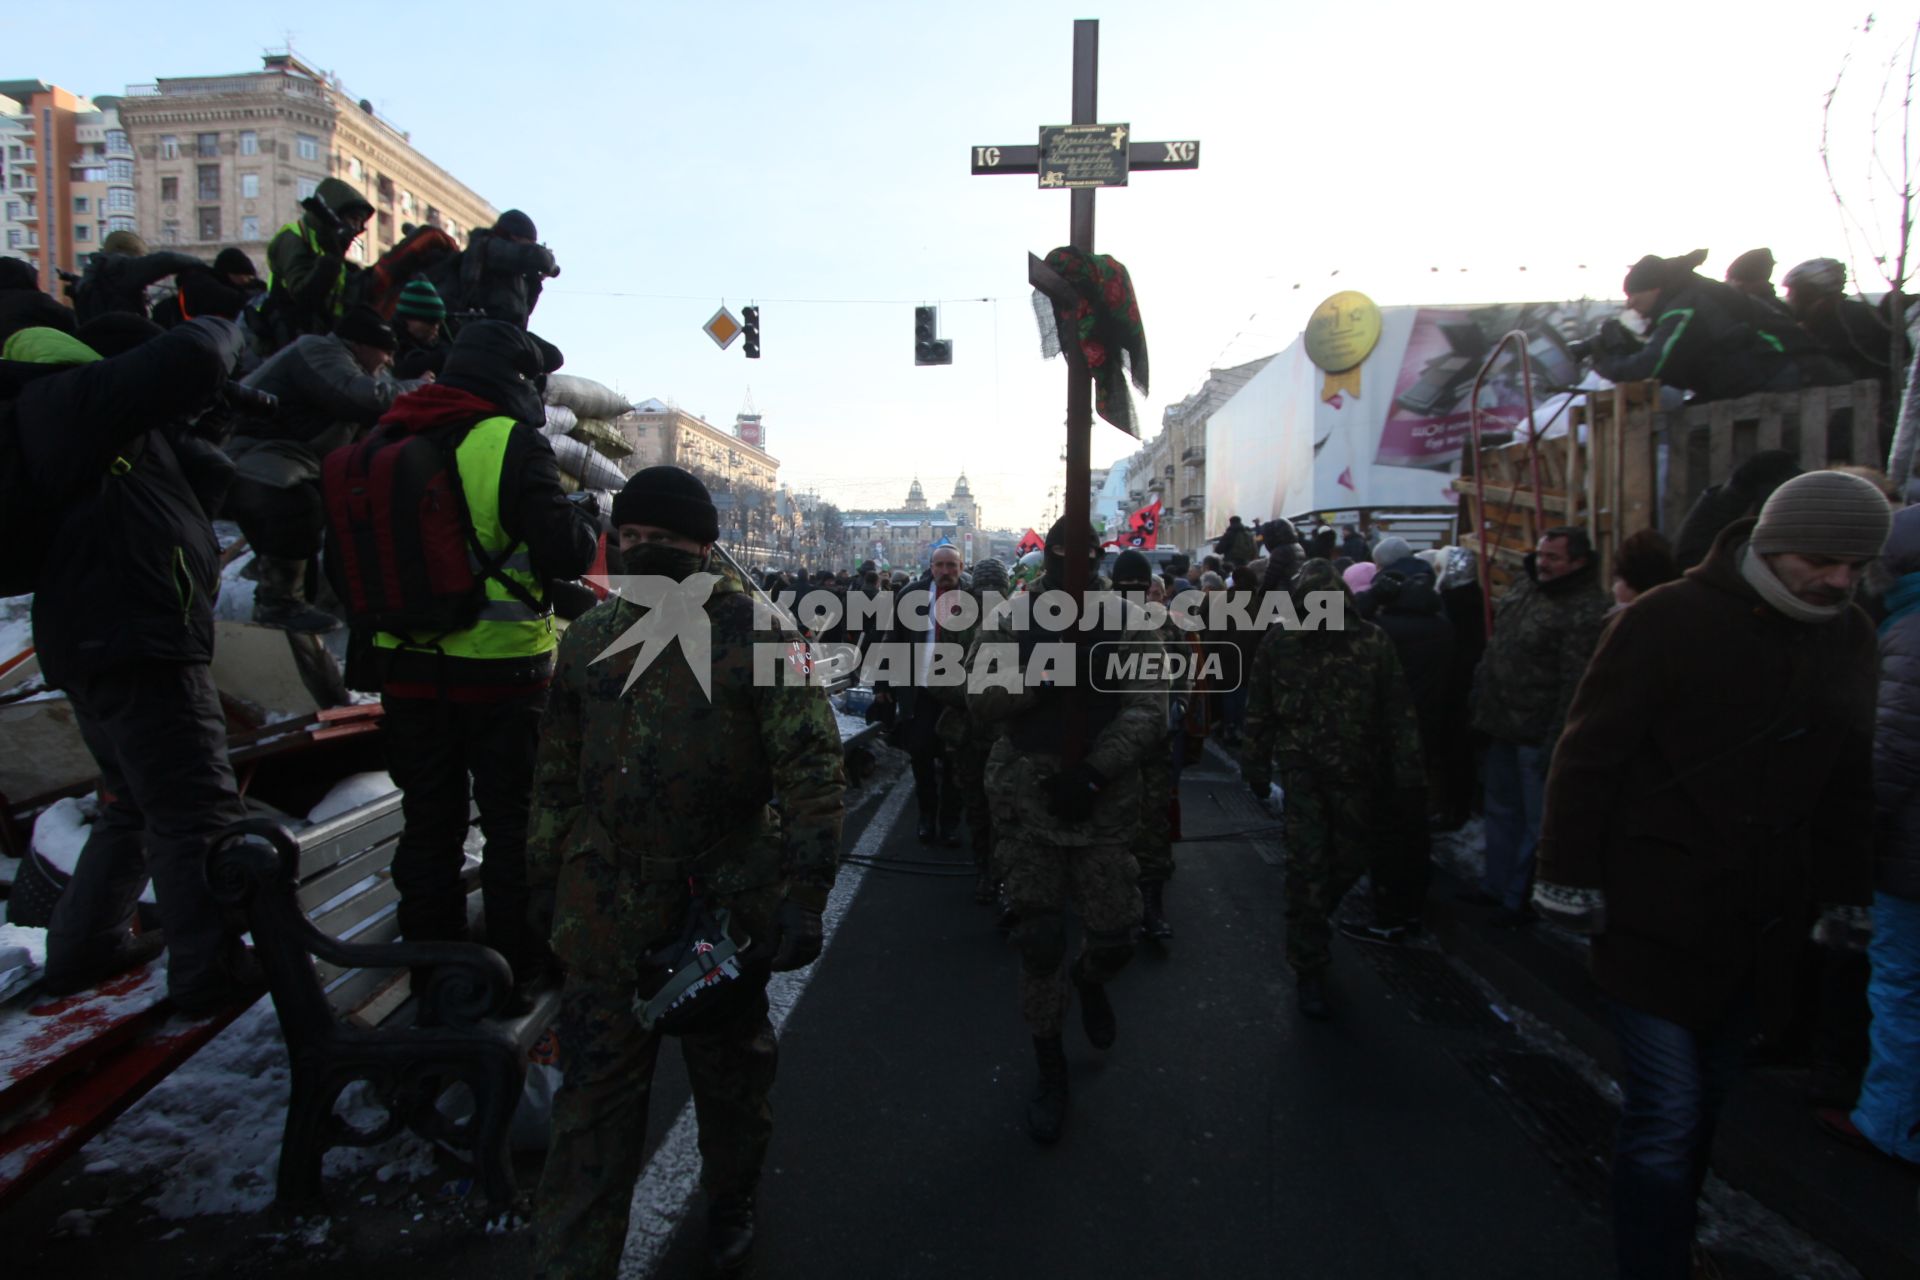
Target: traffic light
750,323
927,348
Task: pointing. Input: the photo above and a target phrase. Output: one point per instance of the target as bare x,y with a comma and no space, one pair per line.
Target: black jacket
495,276
1709,339
1409,610
133,565
118,281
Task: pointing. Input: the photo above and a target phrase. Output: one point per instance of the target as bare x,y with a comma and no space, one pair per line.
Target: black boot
926,830
1312,993
1047,1113
1096,1011
1153,923
729,1234
77,974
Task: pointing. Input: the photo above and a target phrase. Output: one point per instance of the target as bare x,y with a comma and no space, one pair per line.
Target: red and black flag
1143,529
1032,542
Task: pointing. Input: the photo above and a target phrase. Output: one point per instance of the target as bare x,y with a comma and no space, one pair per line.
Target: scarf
1901,599
1105,321
1754,568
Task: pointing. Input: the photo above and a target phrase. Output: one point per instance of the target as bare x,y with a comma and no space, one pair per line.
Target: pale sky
815,158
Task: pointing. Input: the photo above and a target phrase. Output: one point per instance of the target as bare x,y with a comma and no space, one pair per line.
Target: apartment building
226,160
66,177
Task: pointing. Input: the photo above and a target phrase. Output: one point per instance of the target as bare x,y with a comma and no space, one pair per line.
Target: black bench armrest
254,867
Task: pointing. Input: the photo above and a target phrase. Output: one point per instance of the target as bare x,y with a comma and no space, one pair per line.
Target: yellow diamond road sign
723,328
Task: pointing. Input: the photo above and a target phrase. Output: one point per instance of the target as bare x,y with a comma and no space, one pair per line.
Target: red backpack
401,551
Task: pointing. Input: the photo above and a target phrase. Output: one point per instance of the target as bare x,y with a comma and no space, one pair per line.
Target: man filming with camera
307,263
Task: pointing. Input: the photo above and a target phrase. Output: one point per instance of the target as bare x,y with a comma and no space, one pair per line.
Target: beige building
744,480
905,536
1173,465
225,160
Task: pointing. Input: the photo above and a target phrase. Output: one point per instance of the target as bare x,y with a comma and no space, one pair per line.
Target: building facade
1173,465
227,159
904,537
756,525
66,177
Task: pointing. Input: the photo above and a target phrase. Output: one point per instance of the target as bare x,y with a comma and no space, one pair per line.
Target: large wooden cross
1080,157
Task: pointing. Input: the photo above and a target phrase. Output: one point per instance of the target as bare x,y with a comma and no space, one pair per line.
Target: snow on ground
209,1134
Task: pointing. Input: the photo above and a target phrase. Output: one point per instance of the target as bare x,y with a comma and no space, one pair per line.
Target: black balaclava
1056,570
670,498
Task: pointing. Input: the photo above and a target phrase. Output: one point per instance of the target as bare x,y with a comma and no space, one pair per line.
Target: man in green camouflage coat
1064,828
1153,838
1330,719
648,787
970,741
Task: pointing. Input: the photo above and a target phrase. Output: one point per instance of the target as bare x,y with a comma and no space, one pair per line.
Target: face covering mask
656,561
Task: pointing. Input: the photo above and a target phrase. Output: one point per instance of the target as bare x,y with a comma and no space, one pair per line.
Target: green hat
421,301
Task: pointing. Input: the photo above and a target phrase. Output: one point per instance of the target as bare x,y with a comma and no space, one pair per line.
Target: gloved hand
801,936
1075,791
570,597
1614,338
1844,928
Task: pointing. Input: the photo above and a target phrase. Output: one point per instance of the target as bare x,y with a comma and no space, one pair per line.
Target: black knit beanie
1654,272
668,498
232,262
364,325
515,225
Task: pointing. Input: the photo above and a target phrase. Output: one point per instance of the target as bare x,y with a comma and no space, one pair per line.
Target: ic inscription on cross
1081,157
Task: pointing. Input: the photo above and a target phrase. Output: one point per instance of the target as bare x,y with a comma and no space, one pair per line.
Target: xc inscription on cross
1081,157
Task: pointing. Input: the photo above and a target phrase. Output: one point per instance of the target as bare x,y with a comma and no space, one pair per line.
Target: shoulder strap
492,565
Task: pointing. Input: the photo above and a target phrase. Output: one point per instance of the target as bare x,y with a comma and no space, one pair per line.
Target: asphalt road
1222,1135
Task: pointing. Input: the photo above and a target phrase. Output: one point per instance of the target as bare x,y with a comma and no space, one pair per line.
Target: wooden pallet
1624,465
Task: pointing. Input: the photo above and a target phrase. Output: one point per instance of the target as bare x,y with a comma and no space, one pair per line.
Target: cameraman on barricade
307,267
1705,337
104,517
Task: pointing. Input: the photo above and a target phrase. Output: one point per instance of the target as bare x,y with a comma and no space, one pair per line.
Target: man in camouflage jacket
1330,719
1062,825
647,790
1544,630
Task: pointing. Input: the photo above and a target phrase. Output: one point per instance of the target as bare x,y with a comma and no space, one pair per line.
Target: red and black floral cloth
1106,322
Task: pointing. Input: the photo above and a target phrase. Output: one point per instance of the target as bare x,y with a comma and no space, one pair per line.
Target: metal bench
320,907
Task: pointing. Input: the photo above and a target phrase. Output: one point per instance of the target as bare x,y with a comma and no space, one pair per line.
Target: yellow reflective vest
507,627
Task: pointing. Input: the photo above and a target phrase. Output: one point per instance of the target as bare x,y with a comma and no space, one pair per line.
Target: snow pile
351,792
60,832
210,1132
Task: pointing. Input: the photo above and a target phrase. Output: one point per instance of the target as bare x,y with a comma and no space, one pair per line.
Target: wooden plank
386,998
1719,441
1864,400
322,889
360,986
1813,429
383,928
381,894
1771,432
86,1101
326,843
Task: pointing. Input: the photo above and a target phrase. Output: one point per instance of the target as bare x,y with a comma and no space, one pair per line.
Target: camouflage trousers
1328,828
1043,880
1153,842
600,1120
970,766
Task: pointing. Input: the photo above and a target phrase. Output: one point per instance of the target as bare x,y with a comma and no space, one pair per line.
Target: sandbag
587,398
585,465
603,436
560,420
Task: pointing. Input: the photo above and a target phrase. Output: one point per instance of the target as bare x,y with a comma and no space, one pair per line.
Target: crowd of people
1683,762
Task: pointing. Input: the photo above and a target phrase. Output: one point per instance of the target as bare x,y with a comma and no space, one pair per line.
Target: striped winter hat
1824,513
420,301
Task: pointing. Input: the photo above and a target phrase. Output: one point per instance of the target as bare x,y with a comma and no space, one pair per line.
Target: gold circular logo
1342,331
